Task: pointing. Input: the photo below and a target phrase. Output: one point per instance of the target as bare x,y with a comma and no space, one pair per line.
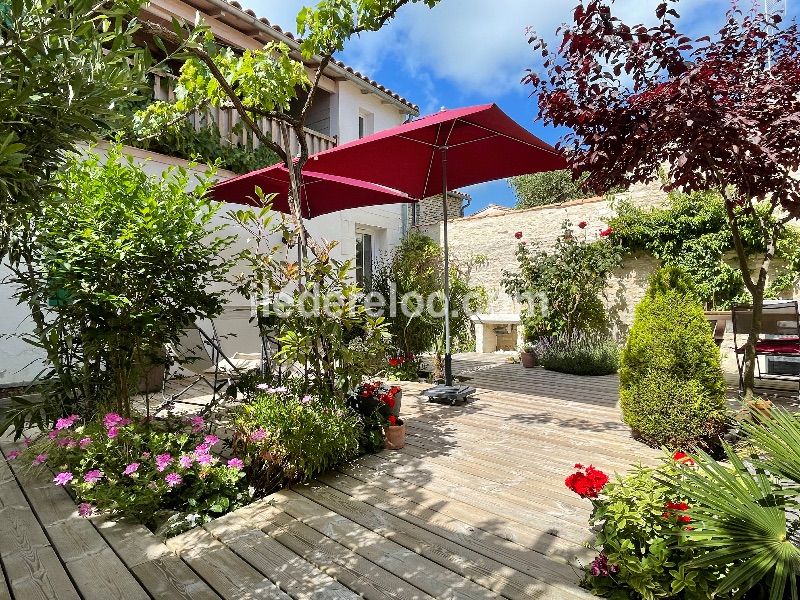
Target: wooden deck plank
509,553
421,572
425,541
229,575
169,578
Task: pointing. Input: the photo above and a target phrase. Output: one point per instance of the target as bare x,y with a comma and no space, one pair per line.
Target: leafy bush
158,474
641,536
672,390
562,289
287,438
746,509
125,261
579,355
417,267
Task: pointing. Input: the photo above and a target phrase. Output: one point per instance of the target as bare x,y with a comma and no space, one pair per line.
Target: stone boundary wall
492,237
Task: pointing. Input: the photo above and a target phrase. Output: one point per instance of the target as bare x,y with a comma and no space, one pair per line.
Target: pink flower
52,435
211,440
66,422
84,442
39,460
85,509
145,455
305,400
173,479
235,463
186,461
197,424
67,443
163,461
112,432
131,469
62,478
26,441
258,435
14,454
204,459
93,476
112,420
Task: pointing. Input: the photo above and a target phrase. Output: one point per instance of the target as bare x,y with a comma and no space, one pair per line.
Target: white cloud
475,44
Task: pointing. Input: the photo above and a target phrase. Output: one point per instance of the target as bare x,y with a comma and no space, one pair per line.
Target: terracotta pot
395,436
527,359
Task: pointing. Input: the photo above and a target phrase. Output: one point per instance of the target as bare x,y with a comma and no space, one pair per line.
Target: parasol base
449,394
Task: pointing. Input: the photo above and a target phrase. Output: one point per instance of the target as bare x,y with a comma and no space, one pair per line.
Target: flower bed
160,473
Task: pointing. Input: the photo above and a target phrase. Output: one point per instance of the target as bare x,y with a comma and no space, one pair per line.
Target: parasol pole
448,359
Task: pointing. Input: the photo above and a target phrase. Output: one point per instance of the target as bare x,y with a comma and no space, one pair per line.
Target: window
364,259
366,123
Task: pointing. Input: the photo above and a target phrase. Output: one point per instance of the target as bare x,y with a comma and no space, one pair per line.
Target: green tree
417,267
65,66
125,261
269,82
672,391
550,187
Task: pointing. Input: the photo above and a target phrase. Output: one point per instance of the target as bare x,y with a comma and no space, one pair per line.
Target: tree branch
741,254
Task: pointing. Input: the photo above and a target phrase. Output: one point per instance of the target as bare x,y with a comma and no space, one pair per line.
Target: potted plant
395,433
528,355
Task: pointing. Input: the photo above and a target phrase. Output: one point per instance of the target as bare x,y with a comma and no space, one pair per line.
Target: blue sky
466,52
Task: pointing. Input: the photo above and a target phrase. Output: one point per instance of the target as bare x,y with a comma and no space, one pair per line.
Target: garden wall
492,237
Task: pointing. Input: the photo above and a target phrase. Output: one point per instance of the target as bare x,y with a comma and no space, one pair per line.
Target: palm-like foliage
741,510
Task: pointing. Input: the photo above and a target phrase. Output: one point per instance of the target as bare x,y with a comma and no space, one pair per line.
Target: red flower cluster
583,224
388,398
588,482
672,507
683,458
606,232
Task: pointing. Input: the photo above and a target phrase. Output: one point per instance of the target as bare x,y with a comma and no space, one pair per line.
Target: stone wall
429,210
492,237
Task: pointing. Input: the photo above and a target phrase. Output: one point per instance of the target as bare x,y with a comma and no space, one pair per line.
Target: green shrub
579,355
672,390
288,439
641,540
162,474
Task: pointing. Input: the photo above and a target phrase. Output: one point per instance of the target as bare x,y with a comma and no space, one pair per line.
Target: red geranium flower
393,362
683,458
677,507
606,232
392,420
582,224
587,482
518,235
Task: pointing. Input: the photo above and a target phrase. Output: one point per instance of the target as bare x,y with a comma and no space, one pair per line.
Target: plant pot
398,398
395,436
527,359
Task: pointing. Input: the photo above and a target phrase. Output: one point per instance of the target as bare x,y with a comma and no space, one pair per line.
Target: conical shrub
672,390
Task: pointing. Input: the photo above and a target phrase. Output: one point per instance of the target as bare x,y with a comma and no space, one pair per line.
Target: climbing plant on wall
691,231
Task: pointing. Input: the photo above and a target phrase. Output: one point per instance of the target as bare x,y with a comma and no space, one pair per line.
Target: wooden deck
474,507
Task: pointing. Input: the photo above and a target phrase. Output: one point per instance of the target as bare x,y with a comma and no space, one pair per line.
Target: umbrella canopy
320,193
482,144
429,156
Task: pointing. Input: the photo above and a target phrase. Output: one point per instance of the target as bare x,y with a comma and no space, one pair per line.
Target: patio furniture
778,337
201,355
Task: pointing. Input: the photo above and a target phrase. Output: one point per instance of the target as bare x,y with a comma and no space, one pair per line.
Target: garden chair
778,337
200,355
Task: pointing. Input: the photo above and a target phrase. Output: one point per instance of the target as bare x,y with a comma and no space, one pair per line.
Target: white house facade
347,106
